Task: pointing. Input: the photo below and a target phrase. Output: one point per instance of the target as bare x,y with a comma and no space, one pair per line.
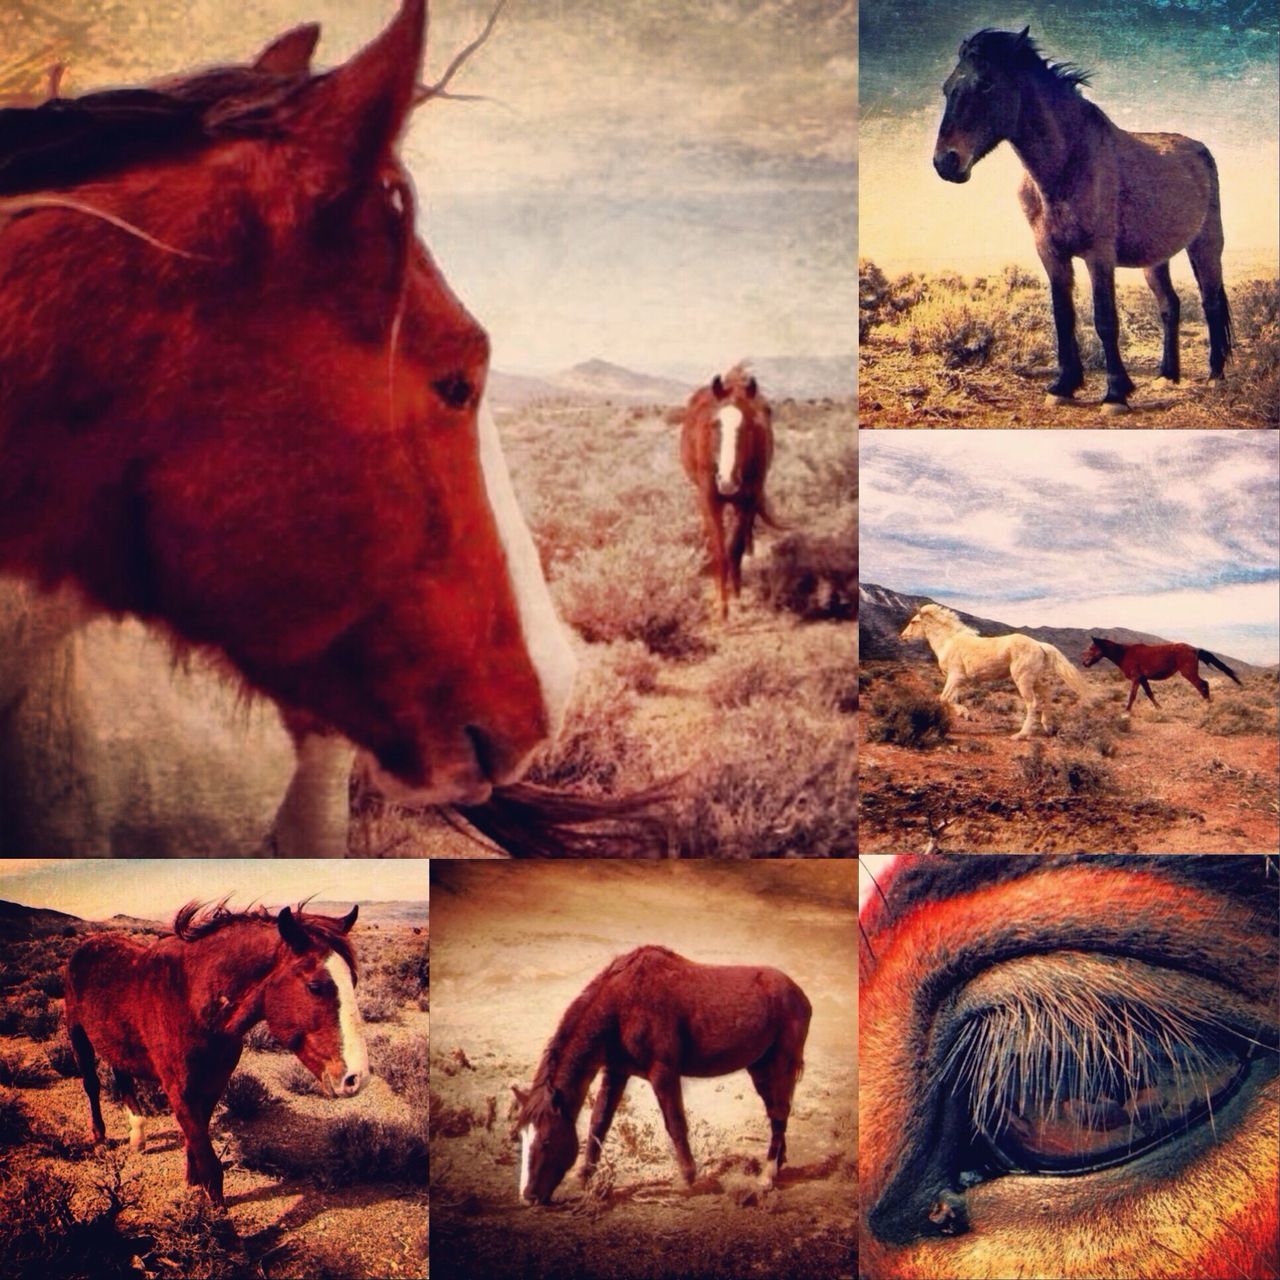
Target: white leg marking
355,1055
544,637
526,1148
137,1131
770,1173
730,419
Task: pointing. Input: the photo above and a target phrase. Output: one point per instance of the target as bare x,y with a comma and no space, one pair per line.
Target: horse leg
1102,274
1205,252
949,695
744,518
665,1082
193,1110
1146,688
1201,686
133,1109
612,1086
1027,690
713,518
1170,310
1070,368
87,1061
774,1079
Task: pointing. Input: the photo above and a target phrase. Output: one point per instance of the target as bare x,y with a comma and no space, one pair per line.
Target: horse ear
290,54
1022,36
717,387
292,932
522,1095
349,119
349,919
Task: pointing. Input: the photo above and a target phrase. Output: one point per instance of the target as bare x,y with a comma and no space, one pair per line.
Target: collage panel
1069,1066
683,1033
1141,136
213,1069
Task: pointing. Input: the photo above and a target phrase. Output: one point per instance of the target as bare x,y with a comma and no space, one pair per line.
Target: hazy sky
1205,68
1174,533
655,181
154,889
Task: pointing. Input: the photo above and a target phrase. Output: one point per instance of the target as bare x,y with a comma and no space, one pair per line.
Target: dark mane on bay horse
1091,190
177,1011
242,404
726,447
1144,662
654,1014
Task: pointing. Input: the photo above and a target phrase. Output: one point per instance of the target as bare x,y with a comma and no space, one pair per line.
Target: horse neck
226,972
575,1051
1051,127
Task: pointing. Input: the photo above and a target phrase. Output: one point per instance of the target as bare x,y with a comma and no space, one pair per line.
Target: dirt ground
288,1215
512,945
899,389
1154,781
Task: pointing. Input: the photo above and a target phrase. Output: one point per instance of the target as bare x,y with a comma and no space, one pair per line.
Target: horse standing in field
1042,1030
726,446
654,1014
177,1012
965,656
1092,191
1143,662
241,403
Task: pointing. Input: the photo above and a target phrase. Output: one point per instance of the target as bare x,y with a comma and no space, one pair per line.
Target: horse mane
539,1101
950,616
1019,52
197,920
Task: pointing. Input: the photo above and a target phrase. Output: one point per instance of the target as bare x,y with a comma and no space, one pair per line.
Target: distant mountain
882,613
518,388
613,382
18,922
390,913
790,377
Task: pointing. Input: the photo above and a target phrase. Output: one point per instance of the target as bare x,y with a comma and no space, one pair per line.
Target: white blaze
355,1055
730,419
526,1148
544,637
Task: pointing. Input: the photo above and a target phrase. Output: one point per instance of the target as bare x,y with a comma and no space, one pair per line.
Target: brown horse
726,446
654,1014
1091,191
240,401
1069,1068
177,1012
1143,662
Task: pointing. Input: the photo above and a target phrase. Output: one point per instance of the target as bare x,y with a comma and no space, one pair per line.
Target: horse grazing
654,1014
1046,1038
1091,191
241,403
177,1012
965,656
726,446
1143,662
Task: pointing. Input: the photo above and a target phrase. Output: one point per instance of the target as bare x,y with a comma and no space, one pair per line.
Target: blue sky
154,889
1175,533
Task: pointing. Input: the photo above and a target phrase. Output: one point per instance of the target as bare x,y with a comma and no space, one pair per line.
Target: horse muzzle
951,167
345,1086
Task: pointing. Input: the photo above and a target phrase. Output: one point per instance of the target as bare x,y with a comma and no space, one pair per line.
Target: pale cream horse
965,657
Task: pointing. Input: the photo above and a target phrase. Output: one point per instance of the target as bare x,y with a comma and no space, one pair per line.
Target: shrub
404,1066
261,1040
365,1150
15,1124
21,1072
1067,775
298,1080
50,984
813,577
62,1059
41,1024
1229,719
908,719
378,1003
737,683
246,1097
958,332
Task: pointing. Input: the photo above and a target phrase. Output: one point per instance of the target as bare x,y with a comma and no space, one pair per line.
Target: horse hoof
1111,408
1057,402
1165,384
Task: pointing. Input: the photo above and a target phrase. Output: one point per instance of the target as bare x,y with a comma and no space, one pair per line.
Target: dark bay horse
1039,1034
726,446
654,1014
1091,191
1143,662
239,401
177,1012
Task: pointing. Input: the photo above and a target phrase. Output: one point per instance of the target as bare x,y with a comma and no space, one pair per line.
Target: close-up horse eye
455,390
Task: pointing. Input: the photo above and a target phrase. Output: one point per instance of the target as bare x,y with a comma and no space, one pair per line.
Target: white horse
965,656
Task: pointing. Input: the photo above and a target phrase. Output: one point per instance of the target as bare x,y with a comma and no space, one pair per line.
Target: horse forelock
1014,51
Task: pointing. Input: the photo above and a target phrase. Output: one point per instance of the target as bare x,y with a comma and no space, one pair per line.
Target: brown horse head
983,101
738,412
548,1135
1093,653
241,400
310,1001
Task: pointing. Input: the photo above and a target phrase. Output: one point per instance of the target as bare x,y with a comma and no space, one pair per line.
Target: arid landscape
942,350
512,946
316,1188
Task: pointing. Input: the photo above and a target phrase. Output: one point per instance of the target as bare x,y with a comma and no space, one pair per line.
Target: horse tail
1066,672
1205,656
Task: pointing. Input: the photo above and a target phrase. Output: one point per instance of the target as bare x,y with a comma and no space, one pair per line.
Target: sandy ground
1170,786
512,945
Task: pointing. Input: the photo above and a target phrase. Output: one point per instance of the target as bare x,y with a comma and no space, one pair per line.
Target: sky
654,182
1204,68
1172,533
153,889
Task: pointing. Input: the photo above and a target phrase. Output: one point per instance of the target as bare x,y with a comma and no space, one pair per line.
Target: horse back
112,993
1168,188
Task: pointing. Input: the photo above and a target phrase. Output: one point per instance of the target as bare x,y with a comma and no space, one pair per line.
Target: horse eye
455,390
319,987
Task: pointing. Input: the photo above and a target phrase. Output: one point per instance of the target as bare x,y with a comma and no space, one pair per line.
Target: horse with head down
726,446
241,403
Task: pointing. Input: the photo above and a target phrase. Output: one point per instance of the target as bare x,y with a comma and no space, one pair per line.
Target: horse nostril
351,1083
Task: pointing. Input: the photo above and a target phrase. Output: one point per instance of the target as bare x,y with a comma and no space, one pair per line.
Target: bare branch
437,90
